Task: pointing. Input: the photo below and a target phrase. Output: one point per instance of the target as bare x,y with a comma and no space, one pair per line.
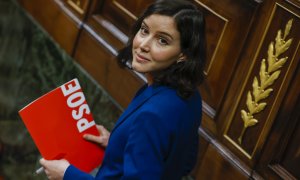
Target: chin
139,70
136,67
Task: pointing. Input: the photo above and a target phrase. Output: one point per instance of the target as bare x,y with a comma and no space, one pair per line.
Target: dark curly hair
186,75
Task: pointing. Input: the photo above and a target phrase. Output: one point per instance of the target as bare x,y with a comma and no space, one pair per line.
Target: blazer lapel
142,96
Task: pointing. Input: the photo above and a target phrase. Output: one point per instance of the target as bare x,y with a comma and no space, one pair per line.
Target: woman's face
156,45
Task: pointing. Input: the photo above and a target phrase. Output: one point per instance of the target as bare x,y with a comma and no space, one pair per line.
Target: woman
156,137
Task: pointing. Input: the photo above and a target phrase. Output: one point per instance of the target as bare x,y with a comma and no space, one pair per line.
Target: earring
180,60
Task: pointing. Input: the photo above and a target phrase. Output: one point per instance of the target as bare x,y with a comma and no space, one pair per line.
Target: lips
141,59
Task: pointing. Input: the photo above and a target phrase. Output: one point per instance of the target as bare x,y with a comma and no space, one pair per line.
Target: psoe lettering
76,101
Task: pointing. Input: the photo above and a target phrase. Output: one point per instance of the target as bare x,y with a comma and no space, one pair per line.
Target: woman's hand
55,169
102,139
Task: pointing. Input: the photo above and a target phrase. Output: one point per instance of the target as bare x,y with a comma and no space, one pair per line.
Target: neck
149,78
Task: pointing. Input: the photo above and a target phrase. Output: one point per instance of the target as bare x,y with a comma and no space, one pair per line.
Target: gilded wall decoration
269,73
77,5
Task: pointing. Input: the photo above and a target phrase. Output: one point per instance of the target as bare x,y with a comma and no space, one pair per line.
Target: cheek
165,56
135,42
157,54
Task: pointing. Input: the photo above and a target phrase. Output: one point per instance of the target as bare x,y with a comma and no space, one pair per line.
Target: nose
145,44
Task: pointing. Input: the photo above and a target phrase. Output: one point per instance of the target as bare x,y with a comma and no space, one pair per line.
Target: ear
181,58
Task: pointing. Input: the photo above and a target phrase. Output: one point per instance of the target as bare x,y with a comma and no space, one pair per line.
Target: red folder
57,122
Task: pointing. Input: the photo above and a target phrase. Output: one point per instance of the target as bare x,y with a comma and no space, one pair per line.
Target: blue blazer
155,138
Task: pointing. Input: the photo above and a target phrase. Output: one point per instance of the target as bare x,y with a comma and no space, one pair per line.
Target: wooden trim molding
282,172
296,3
226,153
69,13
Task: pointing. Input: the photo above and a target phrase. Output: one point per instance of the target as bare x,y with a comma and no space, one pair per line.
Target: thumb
43,162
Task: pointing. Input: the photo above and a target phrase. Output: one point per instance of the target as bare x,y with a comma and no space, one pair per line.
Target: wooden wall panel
265,109
123,13
227,29
272,16
93,57
214,167
101,64
284,162
291,162
56,19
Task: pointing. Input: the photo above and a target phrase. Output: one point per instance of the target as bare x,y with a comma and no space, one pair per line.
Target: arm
72,173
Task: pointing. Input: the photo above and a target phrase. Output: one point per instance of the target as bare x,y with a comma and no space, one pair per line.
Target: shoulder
169,96
166,99
168,103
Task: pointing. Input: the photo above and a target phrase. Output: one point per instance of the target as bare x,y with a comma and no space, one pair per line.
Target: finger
100,128
103,130
47,172
91,138
102,141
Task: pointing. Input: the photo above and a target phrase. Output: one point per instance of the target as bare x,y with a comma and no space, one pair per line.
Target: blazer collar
145,93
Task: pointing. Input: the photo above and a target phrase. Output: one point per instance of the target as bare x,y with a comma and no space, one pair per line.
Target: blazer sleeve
72,173
146,148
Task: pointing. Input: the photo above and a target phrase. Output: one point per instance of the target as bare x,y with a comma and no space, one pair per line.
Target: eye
144,30
163,41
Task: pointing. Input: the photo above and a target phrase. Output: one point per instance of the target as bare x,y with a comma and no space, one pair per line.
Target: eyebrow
160,32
